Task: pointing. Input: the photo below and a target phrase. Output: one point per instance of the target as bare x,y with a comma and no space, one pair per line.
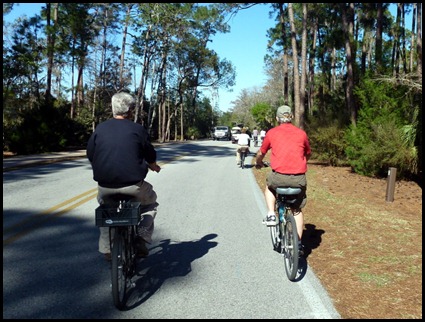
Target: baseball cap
284,109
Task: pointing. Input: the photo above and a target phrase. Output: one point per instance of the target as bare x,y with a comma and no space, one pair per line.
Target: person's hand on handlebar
259,165
259,160
154,167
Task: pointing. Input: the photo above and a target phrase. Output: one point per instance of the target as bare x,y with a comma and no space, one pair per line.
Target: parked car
222,133
236,130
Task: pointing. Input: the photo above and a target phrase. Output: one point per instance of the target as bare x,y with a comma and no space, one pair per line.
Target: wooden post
389,196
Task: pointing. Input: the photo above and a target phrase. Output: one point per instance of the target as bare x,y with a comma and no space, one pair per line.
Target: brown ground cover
366,251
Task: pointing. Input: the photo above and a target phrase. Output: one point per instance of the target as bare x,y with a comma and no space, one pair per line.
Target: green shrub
328,144
44,129
384,134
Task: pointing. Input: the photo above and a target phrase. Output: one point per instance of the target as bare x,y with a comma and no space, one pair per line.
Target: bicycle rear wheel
118,274
242,160
290,246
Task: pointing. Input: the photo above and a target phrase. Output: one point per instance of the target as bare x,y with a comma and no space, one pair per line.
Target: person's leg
104,240
269,194
299,220
104,245
270,200
147,197
238,157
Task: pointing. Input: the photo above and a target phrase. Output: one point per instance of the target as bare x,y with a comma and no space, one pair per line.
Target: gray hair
285,119
122,104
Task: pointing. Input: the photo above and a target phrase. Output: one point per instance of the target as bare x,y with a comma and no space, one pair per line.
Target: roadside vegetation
351,72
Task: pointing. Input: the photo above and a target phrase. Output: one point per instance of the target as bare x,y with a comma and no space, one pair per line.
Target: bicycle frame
284,235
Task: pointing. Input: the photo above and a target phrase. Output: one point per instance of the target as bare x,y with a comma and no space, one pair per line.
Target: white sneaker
270,220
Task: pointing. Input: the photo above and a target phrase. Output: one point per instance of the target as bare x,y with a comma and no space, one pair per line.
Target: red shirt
289,149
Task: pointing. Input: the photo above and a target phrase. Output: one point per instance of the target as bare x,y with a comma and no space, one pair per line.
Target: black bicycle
243,153
284,234
121,214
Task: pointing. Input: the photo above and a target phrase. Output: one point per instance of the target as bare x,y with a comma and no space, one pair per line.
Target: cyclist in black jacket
120,153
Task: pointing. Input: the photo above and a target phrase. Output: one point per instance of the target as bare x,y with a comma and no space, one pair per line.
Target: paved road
210,258
22,161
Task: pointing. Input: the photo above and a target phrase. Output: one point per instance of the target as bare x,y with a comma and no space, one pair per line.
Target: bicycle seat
116,198
287,191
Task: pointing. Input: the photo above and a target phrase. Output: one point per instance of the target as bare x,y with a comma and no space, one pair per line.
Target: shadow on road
168,261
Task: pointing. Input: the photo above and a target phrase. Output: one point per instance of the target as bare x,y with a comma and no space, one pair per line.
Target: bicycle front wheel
118,274
290,246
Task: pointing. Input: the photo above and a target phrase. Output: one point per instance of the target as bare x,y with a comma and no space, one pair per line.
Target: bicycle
243,152
255,141
284,234
122,215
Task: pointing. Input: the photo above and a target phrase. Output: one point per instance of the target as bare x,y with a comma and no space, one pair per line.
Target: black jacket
118,151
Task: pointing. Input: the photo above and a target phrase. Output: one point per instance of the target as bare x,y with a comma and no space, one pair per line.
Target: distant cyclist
243,144
255,136
262,135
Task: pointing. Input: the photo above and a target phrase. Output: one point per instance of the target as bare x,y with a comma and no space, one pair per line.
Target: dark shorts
275,179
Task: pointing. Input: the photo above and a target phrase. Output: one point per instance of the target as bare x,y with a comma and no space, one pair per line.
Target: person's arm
259,160
307,149
154,166
151,159
307,156
90,148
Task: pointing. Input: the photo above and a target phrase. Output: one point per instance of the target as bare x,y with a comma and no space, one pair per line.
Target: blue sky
245,46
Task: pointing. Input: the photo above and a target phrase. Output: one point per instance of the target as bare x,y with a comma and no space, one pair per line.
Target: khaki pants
275,179
144,193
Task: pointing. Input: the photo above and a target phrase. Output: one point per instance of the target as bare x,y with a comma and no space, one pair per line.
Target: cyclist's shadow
167,260
311,239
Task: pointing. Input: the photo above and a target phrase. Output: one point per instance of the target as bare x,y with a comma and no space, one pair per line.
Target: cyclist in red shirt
290,151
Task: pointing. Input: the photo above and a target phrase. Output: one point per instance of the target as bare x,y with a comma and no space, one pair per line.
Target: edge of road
23,161
14,162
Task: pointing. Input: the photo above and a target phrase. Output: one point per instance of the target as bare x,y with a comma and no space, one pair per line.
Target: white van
236,130
222,133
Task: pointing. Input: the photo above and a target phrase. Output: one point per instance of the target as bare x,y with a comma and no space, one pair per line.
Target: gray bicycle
284,234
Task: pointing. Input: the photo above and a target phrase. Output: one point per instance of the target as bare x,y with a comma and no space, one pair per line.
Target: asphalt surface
23,161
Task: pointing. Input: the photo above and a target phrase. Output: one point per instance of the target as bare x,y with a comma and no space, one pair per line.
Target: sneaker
141,249
301,251
271,220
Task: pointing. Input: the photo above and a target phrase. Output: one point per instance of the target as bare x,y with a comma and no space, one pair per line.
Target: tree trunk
378,41
301,114
348,27
295,68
